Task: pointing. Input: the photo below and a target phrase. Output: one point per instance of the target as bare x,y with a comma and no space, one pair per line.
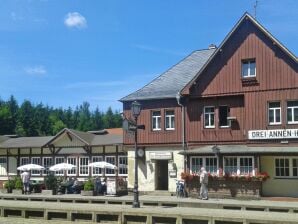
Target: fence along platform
149,215
229,204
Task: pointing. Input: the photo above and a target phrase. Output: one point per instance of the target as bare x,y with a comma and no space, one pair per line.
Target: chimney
212,46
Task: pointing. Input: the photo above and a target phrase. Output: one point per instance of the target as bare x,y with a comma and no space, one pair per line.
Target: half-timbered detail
70,146
232,109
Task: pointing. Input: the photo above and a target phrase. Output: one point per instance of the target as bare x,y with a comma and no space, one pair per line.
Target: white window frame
169,119
274,109
46,166
238,164
3,166
96,171
120,166
35,172
209,117
203,159
70,159
156,119
83,159
110,170
249,63
292,108
22,161
291,168
57,161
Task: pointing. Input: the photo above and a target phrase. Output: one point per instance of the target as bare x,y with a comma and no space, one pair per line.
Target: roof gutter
181,101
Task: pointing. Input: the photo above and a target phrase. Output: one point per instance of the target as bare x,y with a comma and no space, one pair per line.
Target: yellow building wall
277,186
146,169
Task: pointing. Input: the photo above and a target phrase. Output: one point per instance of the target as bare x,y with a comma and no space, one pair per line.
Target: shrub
51,182
10,184
18,183
89,185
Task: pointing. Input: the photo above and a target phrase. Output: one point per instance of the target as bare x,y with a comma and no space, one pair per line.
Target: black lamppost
136,110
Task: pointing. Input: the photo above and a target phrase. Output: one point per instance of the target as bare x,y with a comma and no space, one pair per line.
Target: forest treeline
28,119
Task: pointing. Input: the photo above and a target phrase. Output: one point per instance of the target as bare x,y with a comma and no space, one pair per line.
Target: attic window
248,68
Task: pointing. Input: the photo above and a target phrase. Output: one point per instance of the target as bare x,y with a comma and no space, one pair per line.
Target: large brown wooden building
232,107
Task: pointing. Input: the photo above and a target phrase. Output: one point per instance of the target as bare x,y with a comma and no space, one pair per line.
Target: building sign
273,134
161,155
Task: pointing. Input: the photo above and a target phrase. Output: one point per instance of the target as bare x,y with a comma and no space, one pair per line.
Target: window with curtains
209,162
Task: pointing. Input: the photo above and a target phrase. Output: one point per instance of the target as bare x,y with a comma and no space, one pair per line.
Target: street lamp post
136,110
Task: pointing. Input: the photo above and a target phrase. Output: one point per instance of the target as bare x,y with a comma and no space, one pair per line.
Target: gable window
209,117
274,113
249,68
170,120
224,112
292,112
156,119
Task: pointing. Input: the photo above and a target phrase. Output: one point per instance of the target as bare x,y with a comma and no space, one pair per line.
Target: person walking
204,184
25,176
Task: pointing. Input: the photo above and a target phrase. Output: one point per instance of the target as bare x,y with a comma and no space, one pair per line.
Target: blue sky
64,52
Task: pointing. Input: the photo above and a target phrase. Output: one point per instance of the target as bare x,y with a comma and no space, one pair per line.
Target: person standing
25,176
204,184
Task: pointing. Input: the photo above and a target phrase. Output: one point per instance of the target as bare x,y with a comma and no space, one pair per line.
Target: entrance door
161,175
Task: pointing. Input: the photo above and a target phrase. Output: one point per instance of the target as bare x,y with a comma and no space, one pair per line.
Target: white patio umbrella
62,167
31,166
103,165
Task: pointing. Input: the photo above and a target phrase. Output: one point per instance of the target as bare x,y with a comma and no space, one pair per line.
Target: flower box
227,186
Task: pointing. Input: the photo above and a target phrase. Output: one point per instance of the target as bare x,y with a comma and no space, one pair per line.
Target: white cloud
35,70
75,20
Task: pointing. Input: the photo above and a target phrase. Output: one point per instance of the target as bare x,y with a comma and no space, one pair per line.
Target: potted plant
51,185
18,185
9,185
88,188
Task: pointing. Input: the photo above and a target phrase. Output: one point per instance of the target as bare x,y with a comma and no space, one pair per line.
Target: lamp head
135,108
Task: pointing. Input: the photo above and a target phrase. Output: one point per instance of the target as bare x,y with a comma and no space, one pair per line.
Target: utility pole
255,8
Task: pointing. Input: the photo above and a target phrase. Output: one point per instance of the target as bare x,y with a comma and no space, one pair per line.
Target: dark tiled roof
168,84
25,142
109,139
113,137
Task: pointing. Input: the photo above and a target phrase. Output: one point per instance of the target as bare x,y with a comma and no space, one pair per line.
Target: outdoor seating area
53,184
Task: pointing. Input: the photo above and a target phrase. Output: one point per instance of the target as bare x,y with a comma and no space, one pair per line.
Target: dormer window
248,68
